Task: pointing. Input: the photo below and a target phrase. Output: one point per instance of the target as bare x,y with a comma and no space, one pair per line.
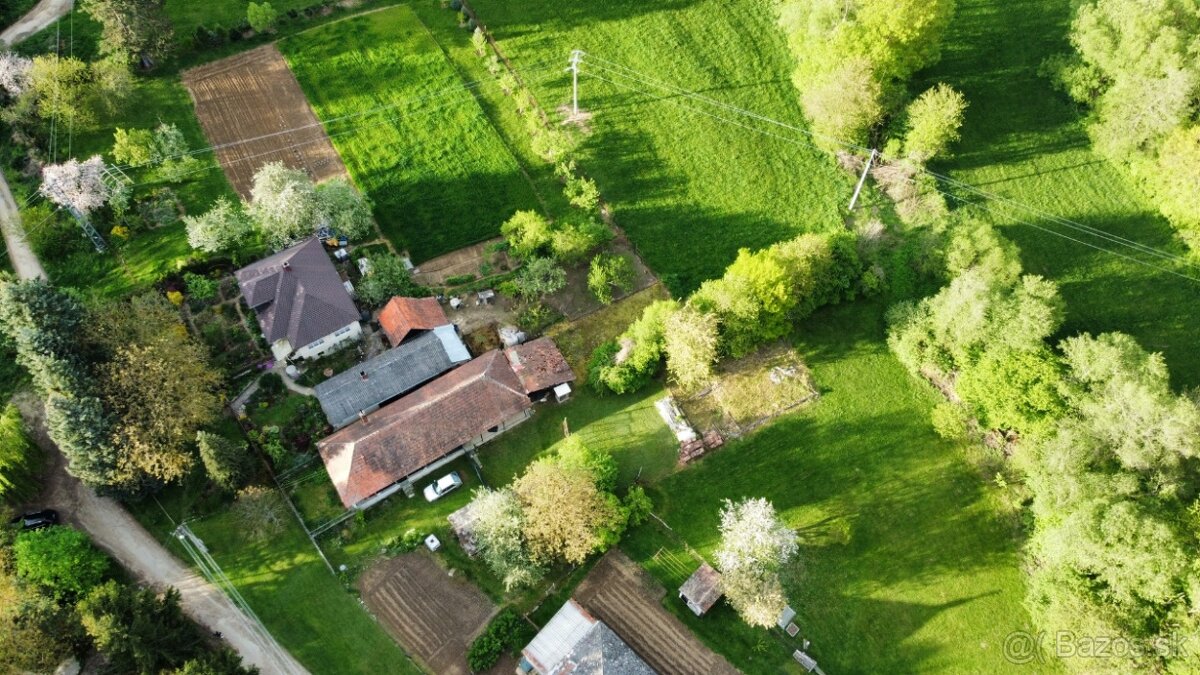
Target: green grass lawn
439,174
627,426
908,560
689,190
305,607
1025,141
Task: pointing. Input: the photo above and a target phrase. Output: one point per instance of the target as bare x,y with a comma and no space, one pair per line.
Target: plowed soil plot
432,615
625,597
253,112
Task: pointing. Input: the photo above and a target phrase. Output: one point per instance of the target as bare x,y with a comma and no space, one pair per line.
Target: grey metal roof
297,294
388,375
574,642
455,349
602,652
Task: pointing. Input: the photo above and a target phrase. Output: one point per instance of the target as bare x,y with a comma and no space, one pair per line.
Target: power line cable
1087,229
354,129
1110,237
442,93
797,141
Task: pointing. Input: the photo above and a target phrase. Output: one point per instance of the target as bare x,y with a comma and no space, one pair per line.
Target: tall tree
157,382
137,630
497,529
133,30
284,203
228,463
690,341
567,517
223,227
754,547
933,122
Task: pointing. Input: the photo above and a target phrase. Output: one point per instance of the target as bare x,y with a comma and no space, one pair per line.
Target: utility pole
576,59
862,179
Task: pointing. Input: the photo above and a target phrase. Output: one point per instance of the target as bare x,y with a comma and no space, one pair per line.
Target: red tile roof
402,315
407,435
539,364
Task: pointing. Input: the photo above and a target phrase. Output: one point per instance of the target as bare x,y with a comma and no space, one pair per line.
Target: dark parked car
37,520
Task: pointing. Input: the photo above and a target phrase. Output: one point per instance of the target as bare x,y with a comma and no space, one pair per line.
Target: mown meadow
438,172
1026,141
689,190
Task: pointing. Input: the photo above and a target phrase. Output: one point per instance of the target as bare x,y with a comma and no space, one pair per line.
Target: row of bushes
217,35
757,300
507,632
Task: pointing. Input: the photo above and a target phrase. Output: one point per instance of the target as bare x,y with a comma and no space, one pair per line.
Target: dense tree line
126,387
758,299
1135,66
59,598
1107,450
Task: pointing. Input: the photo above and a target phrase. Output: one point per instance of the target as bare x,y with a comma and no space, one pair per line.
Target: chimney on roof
363,374
287,265
362,417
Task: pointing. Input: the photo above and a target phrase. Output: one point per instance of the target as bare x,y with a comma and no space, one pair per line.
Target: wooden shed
702,590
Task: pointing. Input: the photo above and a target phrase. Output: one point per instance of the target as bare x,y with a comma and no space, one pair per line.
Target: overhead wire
441,93
1102,234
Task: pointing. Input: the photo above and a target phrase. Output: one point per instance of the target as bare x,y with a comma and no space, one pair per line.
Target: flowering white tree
497,531
284,203
221,228
755,545
344,209
15,73
77,185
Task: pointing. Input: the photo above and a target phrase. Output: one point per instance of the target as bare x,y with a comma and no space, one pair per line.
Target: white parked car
438,489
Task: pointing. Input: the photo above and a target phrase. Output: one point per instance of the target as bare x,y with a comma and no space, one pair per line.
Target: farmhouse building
401,316
702,590
576,643
392,448
540,366
303,308
364,388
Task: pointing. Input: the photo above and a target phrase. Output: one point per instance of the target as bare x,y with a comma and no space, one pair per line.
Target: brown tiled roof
402,437
539,364
297,294
402,315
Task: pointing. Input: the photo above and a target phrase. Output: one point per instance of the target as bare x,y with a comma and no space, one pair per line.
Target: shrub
629,363
608,272
59,559
536,318
507,631
259,512
270,385
200,287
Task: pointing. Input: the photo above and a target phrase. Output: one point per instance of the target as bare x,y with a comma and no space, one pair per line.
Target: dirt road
43,14
23,259
114,530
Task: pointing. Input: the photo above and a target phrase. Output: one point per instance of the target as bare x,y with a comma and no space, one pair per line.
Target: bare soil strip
247,104
629,600
431,614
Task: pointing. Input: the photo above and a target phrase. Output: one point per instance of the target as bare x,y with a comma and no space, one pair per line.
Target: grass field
908,563
439,173
688,189
305,607
1026,141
